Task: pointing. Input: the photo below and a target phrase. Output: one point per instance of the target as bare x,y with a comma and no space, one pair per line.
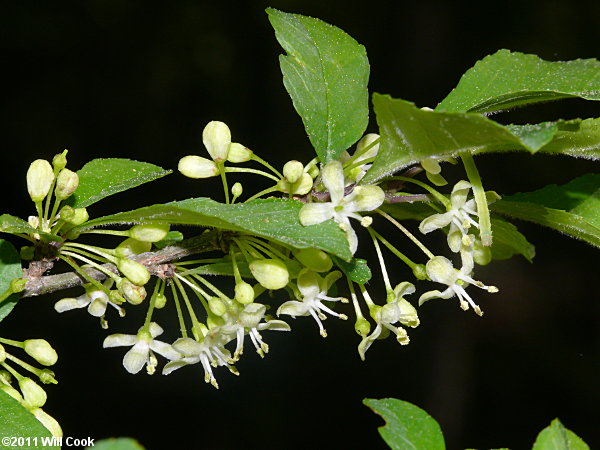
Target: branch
154,261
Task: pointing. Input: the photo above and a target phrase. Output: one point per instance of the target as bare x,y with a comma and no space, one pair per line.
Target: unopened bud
41,351
34,395
238,153
66,183
39,179
300,187
216,306
216,138
132,293
74,216
130,247
12,392
368,197
60,161
134,271
244,292
160,300
420,272
314,259
193,166
149,232
270,273
293,170
48,421
237,190
362,326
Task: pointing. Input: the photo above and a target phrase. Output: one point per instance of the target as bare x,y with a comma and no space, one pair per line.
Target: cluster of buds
29,393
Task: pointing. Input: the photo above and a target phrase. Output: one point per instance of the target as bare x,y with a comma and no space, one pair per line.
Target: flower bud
238,153
216,138
314,259
66,183
39,179
368,197
420,272
300,187
131,247
244,292
41,351
270,273
48,421
73,216
293,170
60,161
193,166
216,306
34,395
160,300
134,271
132,293
237,190
12,392
362,326
149,232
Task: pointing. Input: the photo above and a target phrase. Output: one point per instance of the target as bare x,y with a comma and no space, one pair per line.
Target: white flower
341,208
96,301
441,270
398,310
143,347
248,320
313,289
458,216
210,351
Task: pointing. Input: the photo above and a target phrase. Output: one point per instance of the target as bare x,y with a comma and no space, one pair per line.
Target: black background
140,80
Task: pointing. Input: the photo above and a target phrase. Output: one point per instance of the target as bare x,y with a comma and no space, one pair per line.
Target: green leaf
16,225
275,219
101,178
409,135
117,444
573,208
10,268
357,269
508,79
407,426
326,73
508,241
557,437
16,421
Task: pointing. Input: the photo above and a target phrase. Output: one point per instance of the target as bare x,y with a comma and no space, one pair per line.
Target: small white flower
208,352
441,270
143,347
96,301
341,208
398,310
313,289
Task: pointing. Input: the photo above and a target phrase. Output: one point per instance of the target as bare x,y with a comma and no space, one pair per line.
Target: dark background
140,80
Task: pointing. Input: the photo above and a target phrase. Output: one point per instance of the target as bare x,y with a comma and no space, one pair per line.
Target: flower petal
314,213
333,179
165,350
293,308
136,358
119,340
367,341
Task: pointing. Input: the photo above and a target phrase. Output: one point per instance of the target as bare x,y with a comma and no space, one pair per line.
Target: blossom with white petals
96,301
397,310
143,347
210,351
441,270
342,207
313,289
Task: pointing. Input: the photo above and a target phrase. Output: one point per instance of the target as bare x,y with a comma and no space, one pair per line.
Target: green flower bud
160,300
270,273
237,190
238,153
2,353
193,166
216,306
420,272
75,216
132,293
368,197
66,183
314,259
300,187
293,170
134,271
39,179
244,292
48,421
131,247
482,255
41,351
34,395
27,252
149,232
362,326
60,161
216,138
